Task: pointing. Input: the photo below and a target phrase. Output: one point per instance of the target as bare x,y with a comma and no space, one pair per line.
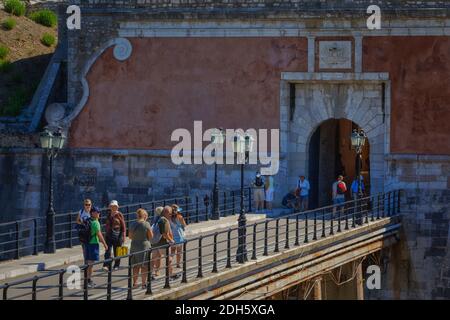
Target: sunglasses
87,204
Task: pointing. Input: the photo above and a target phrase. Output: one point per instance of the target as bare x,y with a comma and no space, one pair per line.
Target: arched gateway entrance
330,155
309,101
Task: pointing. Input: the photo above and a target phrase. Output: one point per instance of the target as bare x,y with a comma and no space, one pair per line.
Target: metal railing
207,254
27,236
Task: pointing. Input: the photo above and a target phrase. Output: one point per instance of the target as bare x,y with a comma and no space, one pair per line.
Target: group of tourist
166,227
298,198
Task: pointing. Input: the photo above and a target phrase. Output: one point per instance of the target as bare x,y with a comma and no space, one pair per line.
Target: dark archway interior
330,154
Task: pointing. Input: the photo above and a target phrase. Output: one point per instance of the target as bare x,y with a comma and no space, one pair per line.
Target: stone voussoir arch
360,98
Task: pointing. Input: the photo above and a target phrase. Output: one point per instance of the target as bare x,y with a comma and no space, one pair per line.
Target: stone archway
362,98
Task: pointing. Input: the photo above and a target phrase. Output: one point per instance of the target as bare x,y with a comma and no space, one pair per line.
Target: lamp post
52,142
358,140
243,145
217,138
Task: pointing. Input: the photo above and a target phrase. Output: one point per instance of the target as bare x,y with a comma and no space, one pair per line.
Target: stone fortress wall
402,69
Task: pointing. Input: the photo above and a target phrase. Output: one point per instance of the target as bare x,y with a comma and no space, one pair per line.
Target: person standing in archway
303,192
339,189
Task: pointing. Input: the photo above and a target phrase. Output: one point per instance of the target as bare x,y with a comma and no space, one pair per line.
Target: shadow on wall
18,82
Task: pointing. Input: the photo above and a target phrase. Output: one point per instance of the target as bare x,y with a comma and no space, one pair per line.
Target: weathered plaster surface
168,83
419,68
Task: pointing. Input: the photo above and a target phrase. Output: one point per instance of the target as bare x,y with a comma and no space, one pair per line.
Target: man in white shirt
303,192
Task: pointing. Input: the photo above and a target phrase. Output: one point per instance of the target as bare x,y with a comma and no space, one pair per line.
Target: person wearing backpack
93,247
339,189
83,229
115,234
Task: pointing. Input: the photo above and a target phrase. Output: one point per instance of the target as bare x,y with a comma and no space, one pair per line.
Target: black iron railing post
167,277
338,220
331,224
85,283
286,246
109,283
5,291
254,242
315,226
323,224
306,228
184,278
149,272
61,284
228,249
17,240
266,236
35,242
398,201
297,230
200,263
70,229
130,279
366,211
33,288
354,213
214,269
277,235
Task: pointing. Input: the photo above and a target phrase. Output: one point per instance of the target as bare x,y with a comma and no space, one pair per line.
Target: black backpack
259,182
84,231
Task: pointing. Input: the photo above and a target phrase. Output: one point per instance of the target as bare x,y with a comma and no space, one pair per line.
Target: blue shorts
338,200
92,252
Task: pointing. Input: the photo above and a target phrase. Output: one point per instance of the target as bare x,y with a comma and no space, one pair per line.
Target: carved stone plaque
335,54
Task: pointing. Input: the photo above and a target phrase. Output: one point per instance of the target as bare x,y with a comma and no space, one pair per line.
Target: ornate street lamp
358,140
242,145
218,139
52,142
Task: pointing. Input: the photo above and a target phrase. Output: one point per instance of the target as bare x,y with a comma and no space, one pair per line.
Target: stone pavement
32,264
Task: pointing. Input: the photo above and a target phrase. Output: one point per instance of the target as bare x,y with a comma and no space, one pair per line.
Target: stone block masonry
418,267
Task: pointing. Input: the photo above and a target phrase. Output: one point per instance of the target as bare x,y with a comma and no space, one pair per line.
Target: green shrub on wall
4,50
45,17
9,24
15,7
48,40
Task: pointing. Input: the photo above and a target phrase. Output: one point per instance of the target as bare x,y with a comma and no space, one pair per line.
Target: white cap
114,203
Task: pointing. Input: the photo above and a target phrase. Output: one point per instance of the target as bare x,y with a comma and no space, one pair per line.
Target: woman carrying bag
115,234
